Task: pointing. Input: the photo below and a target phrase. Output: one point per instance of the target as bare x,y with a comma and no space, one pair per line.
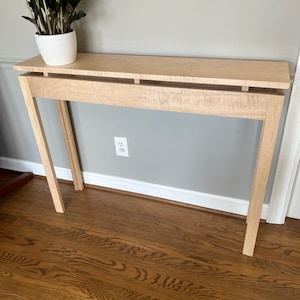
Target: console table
220,87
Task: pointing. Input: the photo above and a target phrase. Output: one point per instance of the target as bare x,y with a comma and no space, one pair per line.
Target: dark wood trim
20,179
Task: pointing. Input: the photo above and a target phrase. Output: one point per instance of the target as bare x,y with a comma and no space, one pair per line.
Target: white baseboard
216,202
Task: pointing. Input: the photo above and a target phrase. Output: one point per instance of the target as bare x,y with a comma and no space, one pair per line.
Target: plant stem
48,17
42,25
61,20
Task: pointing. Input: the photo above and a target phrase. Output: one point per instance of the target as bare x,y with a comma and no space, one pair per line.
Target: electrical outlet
121,146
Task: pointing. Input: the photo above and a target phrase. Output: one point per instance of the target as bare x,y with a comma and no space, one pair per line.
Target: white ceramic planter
59,49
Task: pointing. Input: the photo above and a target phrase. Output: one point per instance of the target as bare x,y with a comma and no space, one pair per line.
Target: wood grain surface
162,83
232,72
110,245
12,181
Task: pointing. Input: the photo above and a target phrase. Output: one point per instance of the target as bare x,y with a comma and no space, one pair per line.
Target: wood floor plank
111,245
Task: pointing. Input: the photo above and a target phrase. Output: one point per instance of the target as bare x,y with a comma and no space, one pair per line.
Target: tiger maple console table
220,87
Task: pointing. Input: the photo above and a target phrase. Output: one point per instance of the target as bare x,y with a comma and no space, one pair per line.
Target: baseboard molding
216,202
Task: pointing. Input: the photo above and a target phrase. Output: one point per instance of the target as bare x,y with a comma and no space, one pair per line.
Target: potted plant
55,37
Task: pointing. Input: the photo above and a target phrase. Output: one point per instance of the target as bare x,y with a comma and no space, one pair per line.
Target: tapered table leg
261,176
42,144
70,144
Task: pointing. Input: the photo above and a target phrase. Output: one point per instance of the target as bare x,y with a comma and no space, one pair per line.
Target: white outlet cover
121,146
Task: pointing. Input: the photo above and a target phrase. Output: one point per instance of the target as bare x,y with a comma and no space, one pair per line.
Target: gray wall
205,154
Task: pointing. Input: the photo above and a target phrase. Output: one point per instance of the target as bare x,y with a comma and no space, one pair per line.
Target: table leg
42,144
263,165
70,144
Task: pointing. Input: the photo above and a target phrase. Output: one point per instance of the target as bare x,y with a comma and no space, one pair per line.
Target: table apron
236,104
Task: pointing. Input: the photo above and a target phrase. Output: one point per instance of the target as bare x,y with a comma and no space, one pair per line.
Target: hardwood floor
110,245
